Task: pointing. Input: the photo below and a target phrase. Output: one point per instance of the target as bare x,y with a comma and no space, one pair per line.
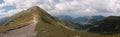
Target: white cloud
67,7
12,12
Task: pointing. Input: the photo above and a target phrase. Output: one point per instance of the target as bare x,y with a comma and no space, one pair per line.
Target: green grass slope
21,19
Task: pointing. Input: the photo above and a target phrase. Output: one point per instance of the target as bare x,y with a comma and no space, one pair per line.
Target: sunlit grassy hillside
19,20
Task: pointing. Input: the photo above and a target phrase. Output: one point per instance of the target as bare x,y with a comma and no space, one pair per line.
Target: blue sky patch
7,8
1,1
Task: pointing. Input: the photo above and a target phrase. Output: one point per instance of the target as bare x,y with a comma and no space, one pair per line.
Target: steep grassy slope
46,26
19,20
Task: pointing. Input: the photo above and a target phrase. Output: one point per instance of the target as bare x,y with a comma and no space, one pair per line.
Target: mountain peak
35,10
35,7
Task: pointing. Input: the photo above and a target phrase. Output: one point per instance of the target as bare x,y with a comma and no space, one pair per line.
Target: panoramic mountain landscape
59,18
36,22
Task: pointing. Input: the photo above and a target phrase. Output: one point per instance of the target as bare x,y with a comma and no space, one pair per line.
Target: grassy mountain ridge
21,19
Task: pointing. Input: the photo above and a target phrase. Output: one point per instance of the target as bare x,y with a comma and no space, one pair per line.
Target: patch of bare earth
26,31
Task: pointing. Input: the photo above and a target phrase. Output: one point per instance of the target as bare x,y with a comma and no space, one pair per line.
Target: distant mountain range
81,19
82,22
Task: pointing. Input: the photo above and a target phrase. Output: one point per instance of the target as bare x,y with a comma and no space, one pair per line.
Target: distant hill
3,20
110,24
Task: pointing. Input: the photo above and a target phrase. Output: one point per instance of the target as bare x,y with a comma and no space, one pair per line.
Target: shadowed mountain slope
110,24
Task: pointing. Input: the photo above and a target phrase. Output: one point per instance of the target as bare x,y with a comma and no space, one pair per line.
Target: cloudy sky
63,7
